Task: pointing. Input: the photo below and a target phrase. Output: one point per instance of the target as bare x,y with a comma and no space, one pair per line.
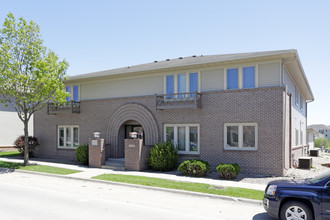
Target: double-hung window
184,137
243,77
74,93
68,136
241,136
181,83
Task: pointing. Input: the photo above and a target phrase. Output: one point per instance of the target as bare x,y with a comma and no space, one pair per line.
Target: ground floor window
185,137
241,136
68,136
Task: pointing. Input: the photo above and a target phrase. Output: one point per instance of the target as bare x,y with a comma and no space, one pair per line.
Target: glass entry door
134,128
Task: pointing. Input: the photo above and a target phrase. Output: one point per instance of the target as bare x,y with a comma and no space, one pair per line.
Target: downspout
290,129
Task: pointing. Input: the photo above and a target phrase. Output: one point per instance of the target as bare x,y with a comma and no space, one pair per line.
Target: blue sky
98,35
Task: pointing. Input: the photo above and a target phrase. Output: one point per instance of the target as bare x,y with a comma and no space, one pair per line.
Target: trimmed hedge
82,154
194,167
228,171
163,156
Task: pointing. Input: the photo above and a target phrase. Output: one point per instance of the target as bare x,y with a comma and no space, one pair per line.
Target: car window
320,177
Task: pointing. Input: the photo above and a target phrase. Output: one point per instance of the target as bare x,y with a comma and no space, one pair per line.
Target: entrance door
134,128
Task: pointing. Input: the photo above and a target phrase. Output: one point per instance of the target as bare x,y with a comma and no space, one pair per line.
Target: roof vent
167,59
155,61
180,58
193,55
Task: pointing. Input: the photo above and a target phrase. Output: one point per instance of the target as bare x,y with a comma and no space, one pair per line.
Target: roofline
258,55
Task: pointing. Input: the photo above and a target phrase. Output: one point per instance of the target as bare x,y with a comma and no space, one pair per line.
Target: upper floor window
238,78
181,83
232,78
302,102
74,91
249,77
297,97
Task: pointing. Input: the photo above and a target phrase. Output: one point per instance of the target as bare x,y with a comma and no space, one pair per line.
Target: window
68,136
241,78
302,102
249,77
297,137
232,78
170,86
241,136
74,91
184,137
181,83
297,98
193,84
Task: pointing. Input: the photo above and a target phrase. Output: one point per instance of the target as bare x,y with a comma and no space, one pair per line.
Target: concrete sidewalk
88,173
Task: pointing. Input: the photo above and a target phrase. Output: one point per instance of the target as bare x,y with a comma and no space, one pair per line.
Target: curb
176,191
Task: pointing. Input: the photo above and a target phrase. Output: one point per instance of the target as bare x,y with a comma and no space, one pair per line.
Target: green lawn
10,154
195,187
37,168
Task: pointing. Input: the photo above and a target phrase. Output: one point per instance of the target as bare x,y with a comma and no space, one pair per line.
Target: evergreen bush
163,156
194,167
82,154
228,171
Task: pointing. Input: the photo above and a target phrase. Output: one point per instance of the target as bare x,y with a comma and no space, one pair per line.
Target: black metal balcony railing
178,100
67,107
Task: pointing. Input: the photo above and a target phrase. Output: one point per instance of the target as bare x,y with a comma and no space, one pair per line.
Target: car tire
296,208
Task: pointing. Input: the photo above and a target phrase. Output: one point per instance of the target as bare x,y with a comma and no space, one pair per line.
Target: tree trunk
26,142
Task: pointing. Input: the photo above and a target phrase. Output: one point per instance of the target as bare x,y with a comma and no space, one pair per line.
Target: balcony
178,100
67,107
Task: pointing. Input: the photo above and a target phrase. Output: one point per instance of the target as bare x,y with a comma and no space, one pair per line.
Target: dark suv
299,199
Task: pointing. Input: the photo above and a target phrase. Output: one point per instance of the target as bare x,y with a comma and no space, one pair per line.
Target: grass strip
37,168
195,187
10,154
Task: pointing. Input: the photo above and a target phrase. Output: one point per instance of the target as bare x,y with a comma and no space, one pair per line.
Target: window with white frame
302,102
241,78
184,136
181,83
74,92
68,136
241,136
297,96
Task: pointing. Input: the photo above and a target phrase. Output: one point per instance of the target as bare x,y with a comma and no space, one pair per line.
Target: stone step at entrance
114,164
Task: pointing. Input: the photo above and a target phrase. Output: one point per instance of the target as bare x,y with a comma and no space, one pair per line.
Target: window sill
240,149
188,153
67,148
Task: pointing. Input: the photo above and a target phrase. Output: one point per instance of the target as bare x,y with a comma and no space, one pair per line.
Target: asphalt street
31,196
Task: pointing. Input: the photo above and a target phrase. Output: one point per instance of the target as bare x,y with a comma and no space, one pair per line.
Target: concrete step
122,168
115,164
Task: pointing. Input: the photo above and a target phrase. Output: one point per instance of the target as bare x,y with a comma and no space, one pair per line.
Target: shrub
194,167
163,156
228,171
33,143
82,154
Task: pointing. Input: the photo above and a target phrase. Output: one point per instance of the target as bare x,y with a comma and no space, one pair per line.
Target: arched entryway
134,114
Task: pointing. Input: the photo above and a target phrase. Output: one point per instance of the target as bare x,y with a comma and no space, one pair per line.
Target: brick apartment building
249,108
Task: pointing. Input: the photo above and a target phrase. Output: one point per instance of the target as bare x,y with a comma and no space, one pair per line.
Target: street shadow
262,216
6,170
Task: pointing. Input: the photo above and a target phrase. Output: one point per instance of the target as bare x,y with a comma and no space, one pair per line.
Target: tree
30,74
319,142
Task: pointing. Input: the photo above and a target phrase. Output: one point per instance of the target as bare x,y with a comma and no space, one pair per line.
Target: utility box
136,155
96,151
314,152
305,162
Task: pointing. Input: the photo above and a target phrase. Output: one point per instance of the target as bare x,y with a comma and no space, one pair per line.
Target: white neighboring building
321,128
11,126
312,135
